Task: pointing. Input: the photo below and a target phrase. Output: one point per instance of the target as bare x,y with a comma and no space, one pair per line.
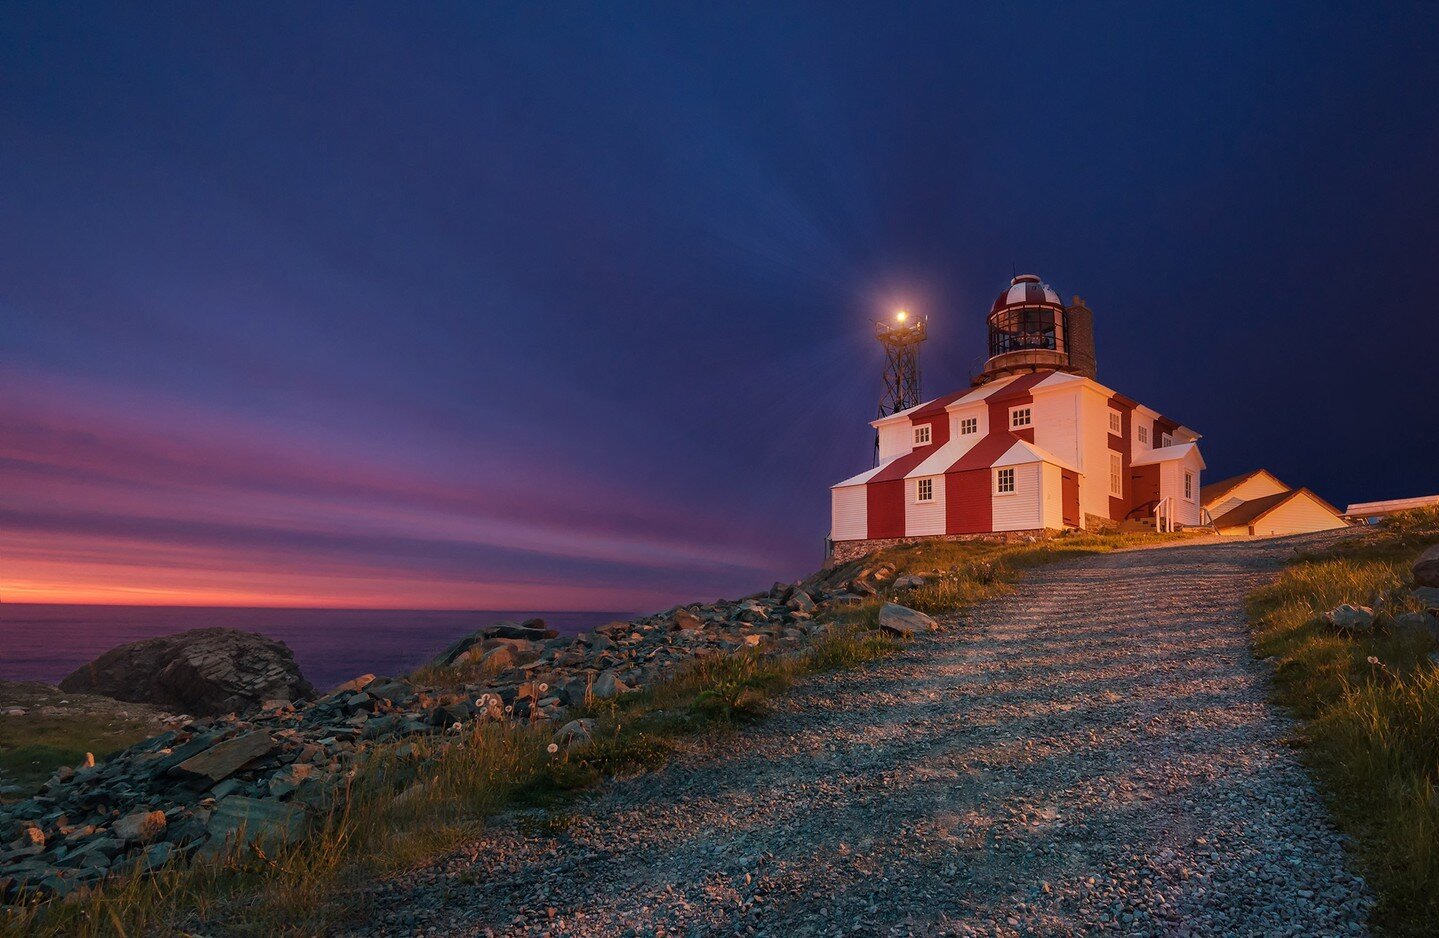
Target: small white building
1036,444
1257,503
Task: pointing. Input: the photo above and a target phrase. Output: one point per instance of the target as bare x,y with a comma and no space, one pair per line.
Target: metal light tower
900,338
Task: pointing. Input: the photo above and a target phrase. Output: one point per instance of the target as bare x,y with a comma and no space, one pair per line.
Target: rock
14,711
206,672
682,619
1426,568
575,733
1347,618
30,836
267,824
903,621
353,684
284,782
1428,596
1423,623
800,601
908,582
140,827
608,685
532,630
226,758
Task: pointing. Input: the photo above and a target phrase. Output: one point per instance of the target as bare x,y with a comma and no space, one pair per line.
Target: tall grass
1370,708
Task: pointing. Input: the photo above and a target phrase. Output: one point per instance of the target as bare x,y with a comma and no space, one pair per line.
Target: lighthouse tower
1030,329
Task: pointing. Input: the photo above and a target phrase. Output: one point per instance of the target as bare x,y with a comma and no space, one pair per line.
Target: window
1019,417
1166,440
1189,485
969,425
921,435
1116,475
924,490
1116,423
1144,435
1004,481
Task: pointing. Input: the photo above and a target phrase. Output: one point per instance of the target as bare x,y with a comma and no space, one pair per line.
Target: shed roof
1214,491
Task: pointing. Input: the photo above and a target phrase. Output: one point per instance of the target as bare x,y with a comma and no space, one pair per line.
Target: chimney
1079,337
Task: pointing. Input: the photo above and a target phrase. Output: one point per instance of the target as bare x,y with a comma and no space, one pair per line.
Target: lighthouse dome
1027,290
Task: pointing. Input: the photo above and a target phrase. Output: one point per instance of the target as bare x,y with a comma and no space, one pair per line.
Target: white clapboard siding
895,439
849,513
1301,514
1021,511
923,517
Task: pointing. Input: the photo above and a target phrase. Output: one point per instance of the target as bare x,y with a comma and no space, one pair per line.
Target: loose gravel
1094,754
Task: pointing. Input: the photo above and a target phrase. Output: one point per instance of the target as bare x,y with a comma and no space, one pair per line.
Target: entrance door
1069,496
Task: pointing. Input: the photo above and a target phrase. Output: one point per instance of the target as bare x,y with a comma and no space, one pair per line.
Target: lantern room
1030,329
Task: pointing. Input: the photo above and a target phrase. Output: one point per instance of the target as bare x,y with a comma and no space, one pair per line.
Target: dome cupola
1030,329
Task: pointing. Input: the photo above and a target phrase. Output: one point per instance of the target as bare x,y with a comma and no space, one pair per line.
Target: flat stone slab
265,823
226,758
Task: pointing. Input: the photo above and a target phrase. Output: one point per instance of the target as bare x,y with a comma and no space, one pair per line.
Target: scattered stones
202,671
1428,595
905,622
274,766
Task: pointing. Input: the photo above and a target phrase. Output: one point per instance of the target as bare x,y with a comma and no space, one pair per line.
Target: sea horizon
45,642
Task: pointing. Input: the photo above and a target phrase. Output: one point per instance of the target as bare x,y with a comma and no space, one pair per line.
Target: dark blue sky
565,306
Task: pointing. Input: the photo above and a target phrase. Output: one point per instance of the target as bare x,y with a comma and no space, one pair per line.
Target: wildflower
553,748
544,687
1373,660
455,728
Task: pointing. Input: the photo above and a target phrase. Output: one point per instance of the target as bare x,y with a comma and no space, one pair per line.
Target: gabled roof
1166,453
1214,491
1247,513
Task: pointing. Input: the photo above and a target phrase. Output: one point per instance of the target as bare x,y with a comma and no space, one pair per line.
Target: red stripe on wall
884,502
968,508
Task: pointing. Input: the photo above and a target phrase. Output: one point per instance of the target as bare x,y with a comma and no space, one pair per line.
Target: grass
1369,707
49,736
411,802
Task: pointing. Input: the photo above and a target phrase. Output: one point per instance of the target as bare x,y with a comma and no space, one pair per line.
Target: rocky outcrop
1426,568
211,783
204,672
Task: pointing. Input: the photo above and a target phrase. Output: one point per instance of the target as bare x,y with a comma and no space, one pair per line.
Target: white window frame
1003,477
1116,475
1188,485
1116,423
1166,440
1021,417
922,435
968,425
1144,434
924,489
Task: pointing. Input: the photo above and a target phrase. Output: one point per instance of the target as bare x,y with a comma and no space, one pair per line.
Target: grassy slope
1370,728
415,801
52,734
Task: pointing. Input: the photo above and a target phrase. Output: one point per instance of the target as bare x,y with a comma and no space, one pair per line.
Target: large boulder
204,672
1426,568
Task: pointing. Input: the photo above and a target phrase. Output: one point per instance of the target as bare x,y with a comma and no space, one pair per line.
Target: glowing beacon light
902,315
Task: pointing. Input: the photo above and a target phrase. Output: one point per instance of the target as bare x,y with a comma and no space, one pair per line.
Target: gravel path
1092,754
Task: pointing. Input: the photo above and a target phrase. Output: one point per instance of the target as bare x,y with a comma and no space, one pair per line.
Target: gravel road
1093,754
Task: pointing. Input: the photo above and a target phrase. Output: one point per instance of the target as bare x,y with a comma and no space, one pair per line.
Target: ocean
48,642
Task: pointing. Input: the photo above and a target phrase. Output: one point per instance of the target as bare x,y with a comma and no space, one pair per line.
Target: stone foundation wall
846,551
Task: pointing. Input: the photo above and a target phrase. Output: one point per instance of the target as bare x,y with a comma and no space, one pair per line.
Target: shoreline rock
203,671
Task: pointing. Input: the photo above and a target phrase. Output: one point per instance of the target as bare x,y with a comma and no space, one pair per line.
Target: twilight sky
569,306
